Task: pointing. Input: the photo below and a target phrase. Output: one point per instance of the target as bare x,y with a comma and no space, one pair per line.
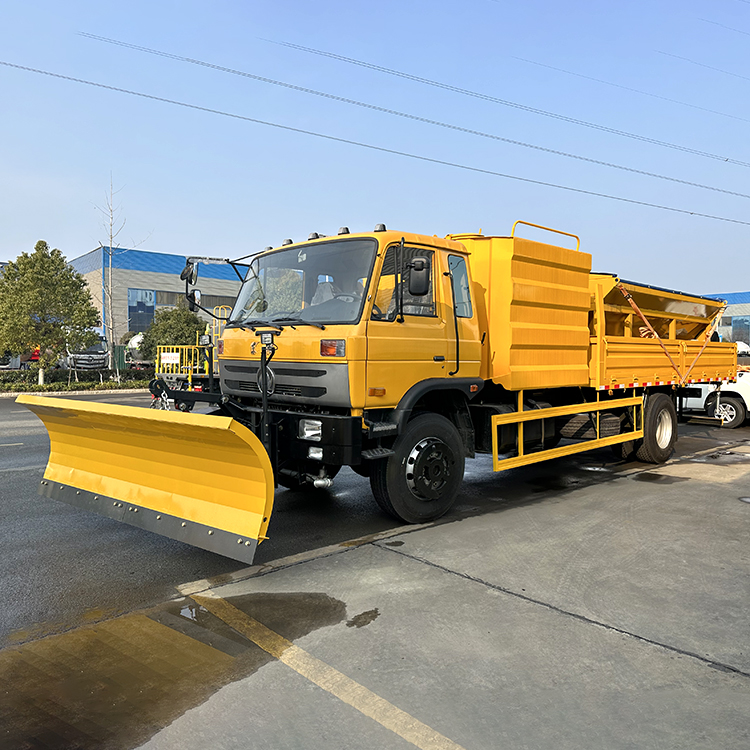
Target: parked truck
399,355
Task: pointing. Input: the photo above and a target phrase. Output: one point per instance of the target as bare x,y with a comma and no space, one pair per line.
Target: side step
380,429
373,453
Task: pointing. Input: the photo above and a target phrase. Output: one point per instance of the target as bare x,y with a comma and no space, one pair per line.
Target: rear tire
659,430
419,483
731,410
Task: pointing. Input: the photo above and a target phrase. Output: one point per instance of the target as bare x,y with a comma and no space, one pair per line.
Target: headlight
311,429
315,453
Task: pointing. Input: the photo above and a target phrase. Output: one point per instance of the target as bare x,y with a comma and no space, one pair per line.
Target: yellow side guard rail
183,360
202,479
594,407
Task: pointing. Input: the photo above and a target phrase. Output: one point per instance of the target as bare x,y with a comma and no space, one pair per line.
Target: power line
371,147
505,102
728,28
635,91
405,115
703,65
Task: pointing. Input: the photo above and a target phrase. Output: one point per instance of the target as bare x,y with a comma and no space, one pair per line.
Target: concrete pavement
609,614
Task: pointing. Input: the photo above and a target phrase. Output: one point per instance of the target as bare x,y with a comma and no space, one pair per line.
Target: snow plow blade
204,480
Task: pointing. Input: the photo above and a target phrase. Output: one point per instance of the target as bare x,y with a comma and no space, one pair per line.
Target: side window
385,302
457,266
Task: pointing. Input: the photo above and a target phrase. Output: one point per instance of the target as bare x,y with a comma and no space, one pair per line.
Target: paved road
60,566
578,605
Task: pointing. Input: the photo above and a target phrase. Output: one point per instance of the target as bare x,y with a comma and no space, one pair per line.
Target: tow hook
321,482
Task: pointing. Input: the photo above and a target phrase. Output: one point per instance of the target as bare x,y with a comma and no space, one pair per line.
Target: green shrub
57,380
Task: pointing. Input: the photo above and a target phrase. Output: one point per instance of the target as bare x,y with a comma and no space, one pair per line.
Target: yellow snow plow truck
399,355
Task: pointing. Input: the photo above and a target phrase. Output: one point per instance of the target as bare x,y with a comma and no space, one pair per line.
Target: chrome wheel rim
726,412
664,429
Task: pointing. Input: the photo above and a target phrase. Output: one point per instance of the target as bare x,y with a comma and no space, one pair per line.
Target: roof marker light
287,242
344,230
380,227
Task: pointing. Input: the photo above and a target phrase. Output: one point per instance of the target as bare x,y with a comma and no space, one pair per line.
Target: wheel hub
726,412
663,429
428,468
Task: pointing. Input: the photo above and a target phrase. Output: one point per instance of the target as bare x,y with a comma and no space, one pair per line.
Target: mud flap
205,480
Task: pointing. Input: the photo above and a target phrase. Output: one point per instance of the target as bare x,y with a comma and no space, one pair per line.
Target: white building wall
122,280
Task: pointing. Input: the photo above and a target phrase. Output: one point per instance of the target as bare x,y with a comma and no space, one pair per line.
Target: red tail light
220,346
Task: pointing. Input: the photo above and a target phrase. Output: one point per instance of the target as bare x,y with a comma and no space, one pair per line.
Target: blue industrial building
144,282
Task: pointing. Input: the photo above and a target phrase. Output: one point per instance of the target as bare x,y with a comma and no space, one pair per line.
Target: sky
672,77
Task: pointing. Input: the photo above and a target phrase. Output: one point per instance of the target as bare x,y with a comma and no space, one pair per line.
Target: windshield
321,283
99,348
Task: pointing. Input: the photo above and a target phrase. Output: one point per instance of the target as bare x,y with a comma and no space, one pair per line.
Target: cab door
400,354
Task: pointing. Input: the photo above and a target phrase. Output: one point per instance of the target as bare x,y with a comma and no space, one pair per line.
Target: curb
75,393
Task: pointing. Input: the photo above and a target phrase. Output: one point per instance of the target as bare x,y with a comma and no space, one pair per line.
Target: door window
461,291
385,303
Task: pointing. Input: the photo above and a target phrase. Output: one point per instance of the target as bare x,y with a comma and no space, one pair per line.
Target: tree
173,327
45,303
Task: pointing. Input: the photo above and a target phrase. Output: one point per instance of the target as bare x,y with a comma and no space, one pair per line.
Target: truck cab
357,345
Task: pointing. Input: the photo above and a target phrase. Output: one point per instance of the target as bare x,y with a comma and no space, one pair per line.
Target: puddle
554,483
115,684
652,476
364,618
723,457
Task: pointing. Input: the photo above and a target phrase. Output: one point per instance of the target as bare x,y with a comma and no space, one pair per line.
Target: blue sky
199,183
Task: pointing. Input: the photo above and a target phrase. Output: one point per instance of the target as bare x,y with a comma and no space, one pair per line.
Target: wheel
625,451
731,411
659,430
420,481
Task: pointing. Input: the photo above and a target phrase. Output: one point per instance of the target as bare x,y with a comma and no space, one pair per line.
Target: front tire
731,411
659,430
419,483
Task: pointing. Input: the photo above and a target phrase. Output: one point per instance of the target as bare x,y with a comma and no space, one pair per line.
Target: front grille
291,371
280,390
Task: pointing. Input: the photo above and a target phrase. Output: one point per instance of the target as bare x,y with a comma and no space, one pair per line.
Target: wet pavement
575,604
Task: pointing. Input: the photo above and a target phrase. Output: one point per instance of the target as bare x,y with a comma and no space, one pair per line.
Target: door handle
439,358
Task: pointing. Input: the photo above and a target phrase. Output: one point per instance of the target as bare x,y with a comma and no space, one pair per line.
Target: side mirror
189,273
193,300
419,277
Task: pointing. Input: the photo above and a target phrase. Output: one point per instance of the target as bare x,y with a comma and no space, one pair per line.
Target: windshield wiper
248,323
298,322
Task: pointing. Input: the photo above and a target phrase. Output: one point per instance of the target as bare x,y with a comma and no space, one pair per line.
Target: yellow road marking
326,677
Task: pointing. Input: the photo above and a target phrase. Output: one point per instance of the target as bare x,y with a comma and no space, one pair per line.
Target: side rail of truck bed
631,407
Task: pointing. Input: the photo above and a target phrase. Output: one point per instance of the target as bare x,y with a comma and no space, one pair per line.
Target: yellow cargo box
536,311
624,353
